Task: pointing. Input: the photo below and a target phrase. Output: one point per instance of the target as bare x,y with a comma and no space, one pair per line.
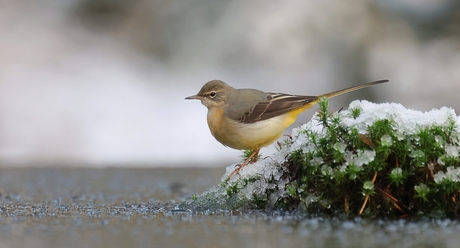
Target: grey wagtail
249,119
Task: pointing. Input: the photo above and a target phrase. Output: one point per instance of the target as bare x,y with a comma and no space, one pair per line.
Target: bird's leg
254,154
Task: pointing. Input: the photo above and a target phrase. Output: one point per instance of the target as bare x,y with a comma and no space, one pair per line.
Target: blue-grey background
102,82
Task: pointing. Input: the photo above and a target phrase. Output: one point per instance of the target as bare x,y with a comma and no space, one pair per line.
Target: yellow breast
248,136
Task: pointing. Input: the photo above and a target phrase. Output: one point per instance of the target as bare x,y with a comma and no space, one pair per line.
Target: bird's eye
212,94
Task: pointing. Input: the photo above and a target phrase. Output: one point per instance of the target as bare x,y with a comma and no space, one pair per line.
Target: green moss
403,168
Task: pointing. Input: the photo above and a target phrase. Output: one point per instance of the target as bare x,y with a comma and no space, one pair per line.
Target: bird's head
213,94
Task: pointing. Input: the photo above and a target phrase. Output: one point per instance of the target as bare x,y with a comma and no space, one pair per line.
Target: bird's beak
194,97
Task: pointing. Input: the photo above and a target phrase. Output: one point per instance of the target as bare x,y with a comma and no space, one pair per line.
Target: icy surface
135,208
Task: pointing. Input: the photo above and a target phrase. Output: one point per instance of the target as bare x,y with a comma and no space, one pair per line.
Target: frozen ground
135,208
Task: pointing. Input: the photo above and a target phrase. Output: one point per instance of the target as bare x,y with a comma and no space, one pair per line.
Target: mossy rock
374,160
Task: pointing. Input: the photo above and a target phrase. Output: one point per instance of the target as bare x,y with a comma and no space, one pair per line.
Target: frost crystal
440,141
368,188
317,161
363,157
452,174
422,189
368,185
326,170
386,140
396,171
417,154
438,177
340,147
440,160
452,151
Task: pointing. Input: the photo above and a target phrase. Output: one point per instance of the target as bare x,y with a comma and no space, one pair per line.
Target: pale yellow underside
250,136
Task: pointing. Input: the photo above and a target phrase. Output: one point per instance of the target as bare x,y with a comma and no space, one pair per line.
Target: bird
249,119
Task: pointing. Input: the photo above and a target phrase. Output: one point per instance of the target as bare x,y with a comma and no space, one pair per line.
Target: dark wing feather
275,105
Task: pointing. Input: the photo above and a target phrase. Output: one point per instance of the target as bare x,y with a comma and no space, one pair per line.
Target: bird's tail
358,87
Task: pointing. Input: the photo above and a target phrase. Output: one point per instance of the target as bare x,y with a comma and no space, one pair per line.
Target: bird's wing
262,106
276,104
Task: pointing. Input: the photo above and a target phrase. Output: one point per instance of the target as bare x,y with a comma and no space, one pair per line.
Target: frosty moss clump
372,159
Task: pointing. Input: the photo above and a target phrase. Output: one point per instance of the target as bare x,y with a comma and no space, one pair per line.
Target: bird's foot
235,171
250,160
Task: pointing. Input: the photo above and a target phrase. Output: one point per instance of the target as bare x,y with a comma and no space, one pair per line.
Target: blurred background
102,82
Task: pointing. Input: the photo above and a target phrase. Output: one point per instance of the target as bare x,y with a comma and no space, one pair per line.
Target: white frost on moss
452,151
452,174
386,140
361,158
407,121
254,180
